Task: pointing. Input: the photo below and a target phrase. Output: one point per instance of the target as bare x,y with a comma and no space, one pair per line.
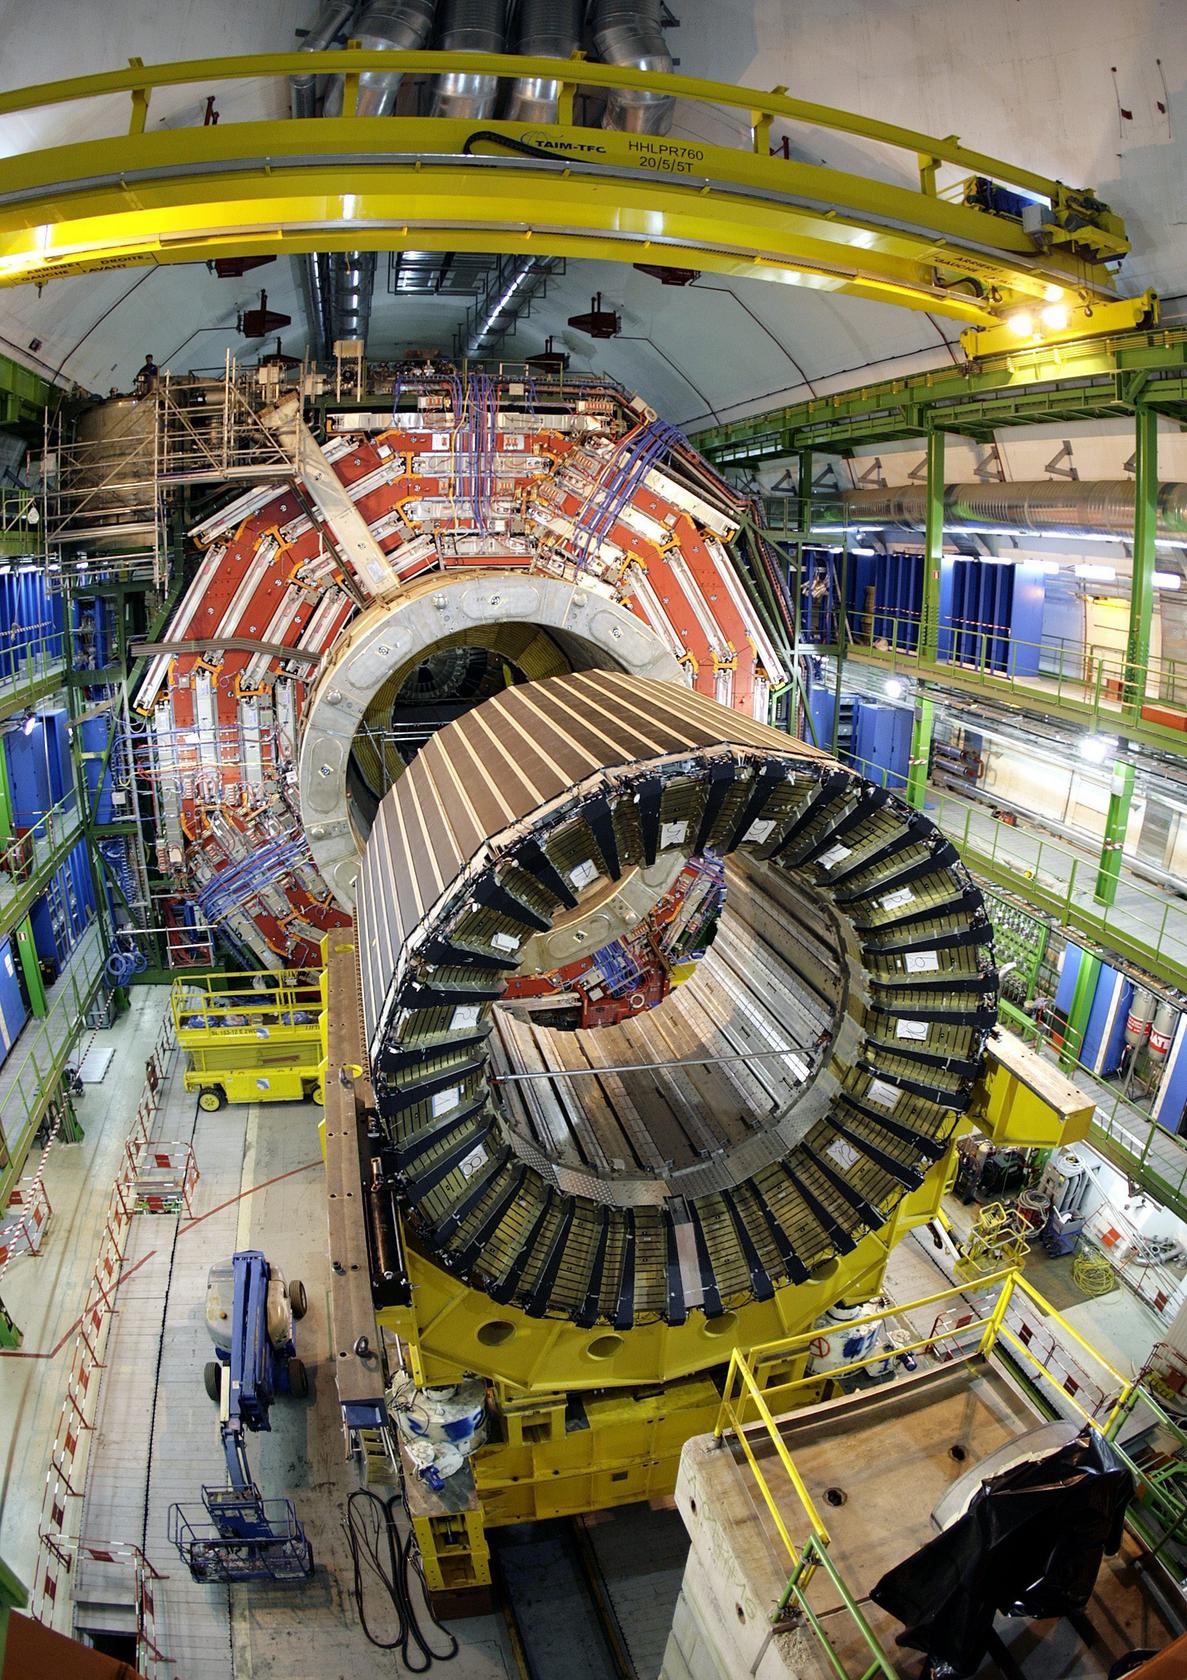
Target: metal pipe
547,29
335,14
470,26
1100,507
384,26
631,35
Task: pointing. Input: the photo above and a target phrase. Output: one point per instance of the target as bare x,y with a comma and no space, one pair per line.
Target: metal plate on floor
94,1066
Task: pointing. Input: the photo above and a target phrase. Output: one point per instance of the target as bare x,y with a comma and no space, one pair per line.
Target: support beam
1116,825
803,527
929,622
1080,1009
920,759
31,968
1145,527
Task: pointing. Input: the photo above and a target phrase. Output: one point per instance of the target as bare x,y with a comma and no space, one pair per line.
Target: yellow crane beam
395,183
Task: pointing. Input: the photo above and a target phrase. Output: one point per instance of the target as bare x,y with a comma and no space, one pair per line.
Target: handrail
994,1330
140,79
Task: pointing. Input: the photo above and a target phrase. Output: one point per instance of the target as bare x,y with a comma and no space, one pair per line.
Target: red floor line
250,1191
19,1353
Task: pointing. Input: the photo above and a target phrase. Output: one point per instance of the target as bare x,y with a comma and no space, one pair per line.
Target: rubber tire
319,1094
211,1098
212,1376
298,1299
298,1380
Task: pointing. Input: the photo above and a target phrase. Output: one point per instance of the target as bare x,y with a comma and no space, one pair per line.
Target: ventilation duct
631,36
384,26
478,26
303,102
1101,507
547,29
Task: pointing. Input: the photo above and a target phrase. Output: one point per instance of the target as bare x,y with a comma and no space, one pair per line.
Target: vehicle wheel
298,1300
212,1376
212,1098
319,1094
298,1379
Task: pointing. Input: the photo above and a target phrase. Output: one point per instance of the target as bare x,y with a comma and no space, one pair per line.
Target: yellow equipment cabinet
250,1037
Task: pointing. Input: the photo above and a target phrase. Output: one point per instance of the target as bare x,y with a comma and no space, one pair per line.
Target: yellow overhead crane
1017,274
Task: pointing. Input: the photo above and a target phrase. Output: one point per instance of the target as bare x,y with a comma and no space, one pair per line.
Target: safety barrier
1006,1318
123,1556
165,1178
23,1229
65,1481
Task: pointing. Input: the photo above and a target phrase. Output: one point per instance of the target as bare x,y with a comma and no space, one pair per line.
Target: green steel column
1116,824
929,622
1145,529
917,764
5,797
803,527
1081,1008
31,967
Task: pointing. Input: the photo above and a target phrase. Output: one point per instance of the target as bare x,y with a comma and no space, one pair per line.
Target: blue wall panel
14,1011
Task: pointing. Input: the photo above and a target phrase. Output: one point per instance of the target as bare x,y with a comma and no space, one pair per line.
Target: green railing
31,1076
28,859
29,673
1101,686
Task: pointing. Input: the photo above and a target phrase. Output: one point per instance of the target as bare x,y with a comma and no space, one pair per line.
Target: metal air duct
478,26
384,26
631,35
1102,507
303,102
547,29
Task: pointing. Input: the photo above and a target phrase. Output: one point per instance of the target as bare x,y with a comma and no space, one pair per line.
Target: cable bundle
375,1540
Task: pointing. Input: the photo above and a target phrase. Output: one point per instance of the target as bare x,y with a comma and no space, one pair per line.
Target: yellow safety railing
748,1401
242,1000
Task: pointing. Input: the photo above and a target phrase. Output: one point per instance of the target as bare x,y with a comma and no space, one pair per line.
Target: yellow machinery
249,1037
567,1432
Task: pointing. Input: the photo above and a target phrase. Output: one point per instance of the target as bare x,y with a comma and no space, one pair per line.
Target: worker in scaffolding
145,382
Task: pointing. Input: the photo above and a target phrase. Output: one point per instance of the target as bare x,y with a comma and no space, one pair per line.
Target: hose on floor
1092,1273
376,1543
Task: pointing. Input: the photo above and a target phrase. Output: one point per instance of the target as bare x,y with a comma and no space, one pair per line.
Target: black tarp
1030,1544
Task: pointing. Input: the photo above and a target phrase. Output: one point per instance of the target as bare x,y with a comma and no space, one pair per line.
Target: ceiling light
1099,574
1167,580
894,688
1021,323
1053,294
29,723
1055,316
1096,748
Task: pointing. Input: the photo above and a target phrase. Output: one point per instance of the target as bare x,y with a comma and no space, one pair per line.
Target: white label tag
911,1029
504,942
923,962
466,1015
904,895
883,1093
672,834
445,1100
842,1153
584,874
471,1163
759,831
440,440
835,854
263,1084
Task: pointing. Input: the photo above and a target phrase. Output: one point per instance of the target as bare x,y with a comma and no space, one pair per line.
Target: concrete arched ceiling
1083,90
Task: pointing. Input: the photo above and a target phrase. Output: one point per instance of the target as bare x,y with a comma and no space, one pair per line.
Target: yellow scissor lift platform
250,1037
